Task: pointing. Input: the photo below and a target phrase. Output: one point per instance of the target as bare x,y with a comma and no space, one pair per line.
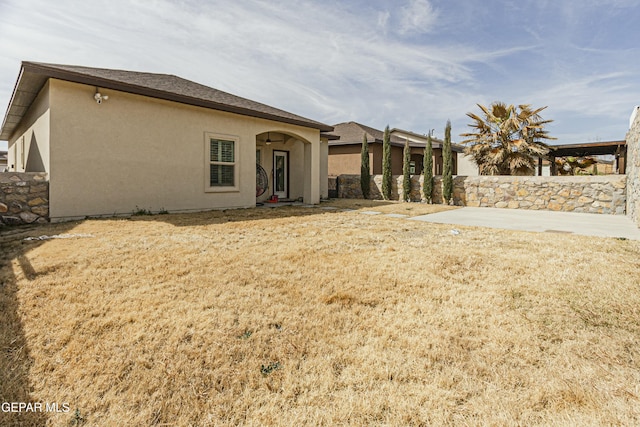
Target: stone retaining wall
589,194
24,198
633,171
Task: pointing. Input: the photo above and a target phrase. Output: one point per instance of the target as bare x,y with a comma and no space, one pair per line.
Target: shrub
427,164
406,172
386,164
447,172
365,173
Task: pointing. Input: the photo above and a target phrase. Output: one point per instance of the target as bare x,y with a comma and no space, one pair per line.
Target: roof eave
154,93
5,133
329,136
37,69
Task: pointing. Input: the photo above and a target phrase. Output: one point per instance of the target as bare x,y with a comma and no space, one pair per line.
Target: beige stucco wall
296,168
344,159
135,152
324,168
29,144
466,166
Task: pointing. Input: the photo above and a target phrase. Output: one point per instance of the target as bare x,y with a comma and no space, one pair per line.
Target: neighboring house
3,160
462,164
114,141
344,153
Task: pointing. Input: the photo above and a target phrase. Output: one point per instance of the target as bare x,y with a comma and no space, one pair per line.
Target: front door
281,174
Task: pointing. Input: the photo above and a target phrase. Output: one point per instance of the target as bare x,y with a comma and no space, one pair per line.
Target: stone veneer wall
633,171
348,187
24,198
591,194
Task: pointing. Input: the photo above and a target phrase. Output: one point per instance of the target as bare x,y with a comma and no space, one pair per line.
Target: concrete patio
539,221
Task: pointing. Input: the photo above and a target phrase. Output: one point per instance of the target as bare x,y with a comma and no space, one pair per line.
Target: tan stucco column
311,194
324,169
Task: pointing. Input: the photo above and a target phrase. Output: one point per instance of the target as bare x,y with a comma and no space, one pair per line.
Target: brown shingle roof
33,75
351,133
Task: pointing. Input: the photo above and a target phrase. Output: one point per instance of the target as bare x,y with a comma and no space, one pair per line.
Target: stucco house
344,153
113,141
462,164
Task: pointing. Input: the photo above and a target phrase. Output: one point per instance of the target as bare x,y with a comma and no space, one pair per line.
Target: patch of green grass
267,369
245,335
138,211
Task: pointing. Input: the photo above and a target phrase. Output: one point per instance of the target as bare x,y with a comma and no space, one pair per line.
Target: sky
410,64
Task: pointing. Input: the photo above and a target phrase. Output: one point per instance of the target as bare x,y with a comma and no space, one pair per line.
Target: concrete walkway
540,221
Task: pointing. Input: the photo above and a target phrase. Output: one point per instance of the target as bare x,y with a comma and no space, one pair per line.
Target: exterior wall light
99,97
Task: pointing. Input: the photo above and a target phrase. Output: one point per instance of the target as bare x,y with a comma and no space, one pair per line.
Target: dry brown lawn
299,316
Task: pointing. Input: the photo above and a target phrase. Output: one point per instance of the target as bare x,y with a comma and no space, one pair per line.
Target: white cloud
593,96
383,21
417,17
411,65
291,57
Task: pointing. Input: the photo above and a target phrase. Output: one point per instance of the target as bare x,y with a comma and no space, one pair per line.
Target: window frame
208,137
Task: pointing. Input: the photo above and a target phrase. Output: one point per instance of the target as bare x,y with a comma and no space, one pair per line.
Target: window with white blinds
222,163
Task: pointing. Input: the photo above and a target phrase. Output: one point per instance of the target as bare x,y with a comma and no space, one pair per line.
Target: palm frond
508,139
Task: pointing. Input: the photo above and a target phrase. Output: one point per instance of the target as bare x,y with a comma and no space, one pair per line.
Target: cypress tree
427,164
406,172
447,175
365,172
386,164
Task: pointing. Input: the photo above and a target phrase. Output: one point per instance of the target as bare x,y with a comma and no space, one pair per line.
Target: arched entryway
292,166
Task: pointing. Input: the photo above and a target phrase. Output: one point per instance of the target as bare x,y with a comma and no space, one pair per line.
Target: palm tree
507,140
